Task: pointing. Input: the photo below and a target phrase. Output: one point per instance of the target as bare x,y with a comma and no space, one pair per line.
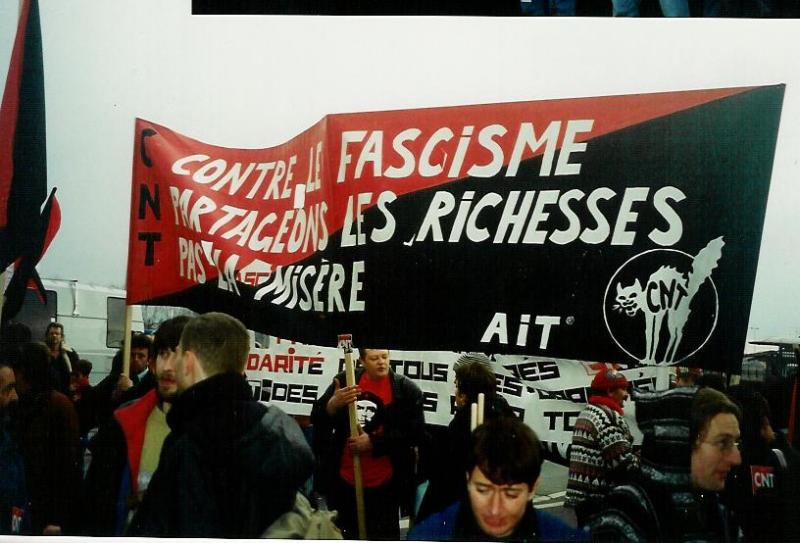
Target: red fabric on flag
53,225
8,113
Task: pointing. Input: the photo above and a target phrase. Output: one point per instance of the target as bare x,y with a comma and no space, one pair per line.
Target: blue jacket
448,525
14,510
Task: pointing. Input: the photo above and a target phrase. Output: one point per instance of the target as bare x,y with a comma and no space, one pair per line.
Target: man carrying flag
391,421
26,228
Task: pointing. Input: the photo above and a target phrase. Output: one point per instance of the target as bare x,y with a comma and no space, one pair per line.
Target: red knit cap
609,379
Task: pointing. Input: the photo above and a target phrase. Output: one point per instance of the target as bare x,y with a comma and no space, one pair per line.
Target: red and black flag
29,219
617,228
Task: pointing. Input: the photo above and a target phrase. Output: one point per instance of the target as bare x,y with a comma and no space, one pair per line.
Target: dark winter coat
47,435
767,511
13,491
402,430
649,510
457,523
229,467
60,372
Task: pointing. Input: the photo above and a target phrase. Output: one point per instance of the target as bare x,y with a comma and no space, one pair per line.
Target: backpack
303,522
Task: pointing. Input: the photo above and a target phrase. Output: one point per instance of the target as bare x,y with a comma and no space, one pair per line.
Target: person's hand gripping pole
346,343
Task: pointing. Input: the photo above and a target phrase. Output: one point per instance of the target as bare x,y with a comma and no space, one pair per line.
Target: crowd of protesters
710,467
229,465
178,447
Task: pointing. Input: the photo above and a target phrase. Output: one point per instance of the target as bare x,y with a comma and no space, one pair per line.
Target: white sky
257,81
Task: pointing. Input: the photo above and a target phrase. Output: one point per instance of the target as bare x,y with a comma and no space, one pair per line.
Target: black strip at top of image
504,8
357,7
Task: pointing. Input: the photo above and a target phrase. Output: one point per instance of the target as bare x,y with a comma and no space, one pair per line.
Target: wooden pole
662,377
481,407
473,416
126,340
346,342
2,291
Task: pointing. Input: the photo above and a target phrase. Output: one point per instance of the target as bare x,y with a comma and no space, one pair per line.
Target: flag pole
2,292
5,272
126,340
346,342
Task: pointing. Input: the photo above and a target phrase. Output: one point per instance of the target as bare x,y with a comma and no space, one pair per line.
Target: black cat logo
665,298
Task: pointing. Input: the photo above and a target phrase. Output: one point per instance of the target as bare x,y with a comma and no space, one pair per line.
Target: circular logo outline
611,282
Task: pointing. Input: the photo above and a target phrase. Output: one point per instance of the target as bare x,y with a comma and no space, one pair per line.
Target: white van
93,319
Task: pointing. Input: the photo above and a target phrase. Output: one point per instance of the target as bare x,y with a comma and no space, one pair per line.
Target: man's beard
167,397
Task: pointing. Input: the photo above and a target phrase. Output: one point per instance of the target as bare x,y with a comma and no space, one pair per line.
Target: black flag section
26,227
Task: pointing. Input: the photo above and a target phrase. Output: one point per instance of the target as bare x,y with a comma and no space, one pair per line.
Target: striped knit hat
609,379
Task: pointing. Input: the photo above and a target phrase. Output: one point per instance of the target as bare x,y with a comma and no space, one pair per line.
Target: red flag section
9,112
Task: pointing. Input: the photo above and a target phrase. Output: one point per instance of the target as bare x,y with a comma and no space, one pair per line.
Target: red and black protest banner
620,228
29,219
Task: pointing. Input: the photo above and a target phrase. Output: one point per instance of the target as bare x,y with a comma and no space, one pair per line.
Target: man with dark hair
79,380
504,463
385,445
691,442
712,379
141,376
47,433
231,465
602,445
84,368
126,450
141,346
63,359
447,461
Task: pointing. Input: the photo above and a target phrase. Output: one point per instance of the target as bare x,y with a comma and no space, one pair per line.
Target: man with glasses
505,461
691,442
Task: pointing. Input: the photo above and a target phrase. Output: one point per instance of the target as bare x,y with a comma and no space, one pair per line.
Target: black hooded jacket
229,467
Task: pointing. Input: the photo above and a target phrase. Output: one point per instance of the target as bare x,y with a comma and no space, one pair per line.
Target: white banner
548,394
